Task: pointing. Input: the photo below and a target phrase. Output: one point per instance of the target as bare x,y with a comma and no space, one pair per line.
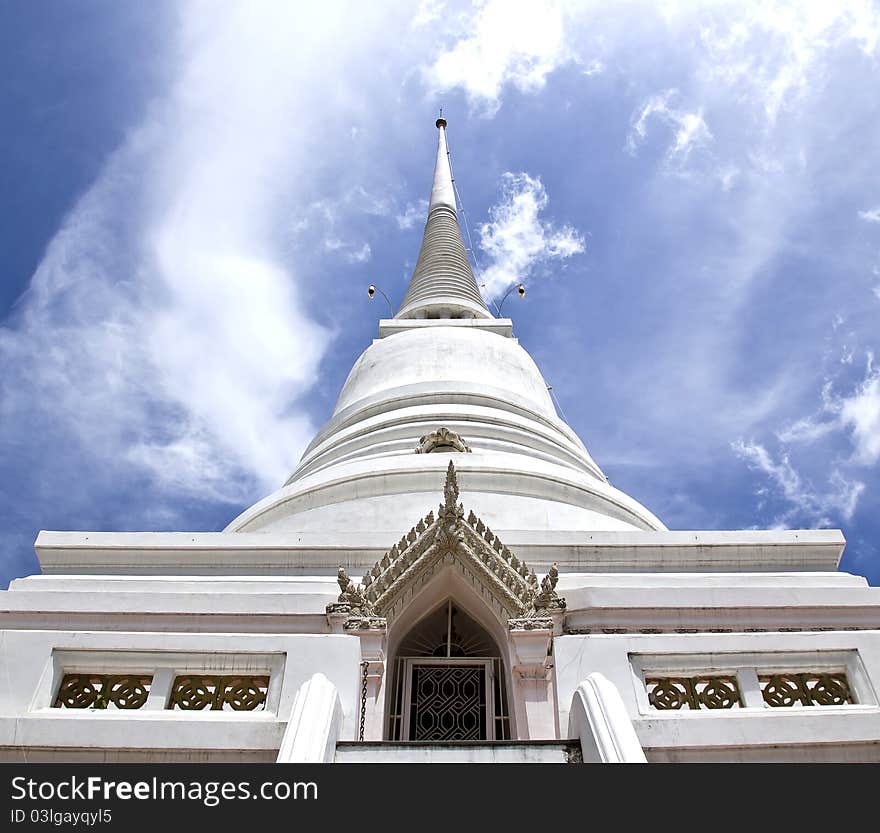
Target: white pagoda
447,575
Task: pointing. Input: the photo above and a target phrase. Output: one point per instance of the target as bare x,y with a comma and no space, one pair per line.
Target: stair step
478,752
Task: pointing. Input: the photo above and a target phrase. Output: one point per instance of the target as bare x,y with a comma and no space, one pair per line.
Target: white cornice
221,553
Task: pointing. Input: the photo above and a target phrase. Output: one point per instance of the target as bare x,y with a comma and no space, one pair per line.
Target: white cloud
516,239
164,329
777,52
361,255
857,414
727,176
860,413
327,221
871,216
774,53
857,418
517,42
412,214
427,12
689,129
806,504
594,67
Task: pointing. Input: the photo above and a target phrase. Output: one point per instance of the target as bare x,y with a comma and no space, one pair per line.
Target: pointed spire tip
442,283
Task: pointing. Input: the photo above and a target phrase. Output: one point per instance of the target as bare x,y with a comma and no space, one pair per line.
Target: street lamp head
372,290
520,290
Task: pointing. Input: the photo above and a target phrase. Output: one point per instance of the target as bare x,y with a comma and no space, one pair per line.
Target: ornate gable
466,544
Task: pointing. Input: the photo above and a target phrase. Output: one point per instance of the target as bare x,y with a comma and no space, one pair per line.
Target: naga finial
342,579
352,595
546,599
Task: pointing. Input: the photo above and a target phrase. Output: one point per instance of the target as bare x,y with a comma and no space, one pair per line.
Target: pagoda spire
442,191
442,284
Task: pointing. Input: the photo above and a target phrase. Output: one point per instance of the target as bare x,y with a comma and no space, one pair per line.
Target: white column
314,725
160,688
373,700
750,688
599,718
532,686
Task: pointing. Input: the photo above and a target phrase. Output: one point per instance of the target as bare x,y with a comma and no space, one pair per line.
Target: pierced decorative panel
448,703
236,692
810,689
706,692
102,691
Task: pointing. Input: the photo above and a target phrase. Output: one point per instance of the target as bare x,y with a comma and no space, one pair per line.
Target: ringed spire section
443,284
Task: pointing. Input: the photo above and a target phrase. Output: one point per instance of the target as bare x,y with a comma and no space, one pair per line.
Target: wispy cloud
327,221
166,318
427,12
854,417
807,506
689,129
517,239
777,52
361,255
860,414
871,216
412,214
857,414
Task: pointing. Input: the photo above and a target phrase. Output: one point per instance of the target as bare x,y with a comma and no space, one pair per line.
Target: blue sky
196,196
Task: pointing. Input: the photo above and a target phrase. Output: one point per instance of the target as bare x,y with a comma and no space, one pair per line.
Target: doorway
448,682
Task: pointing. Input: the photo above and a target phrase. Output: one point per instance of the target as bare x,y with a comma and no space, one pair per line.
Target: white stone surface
442,190
304,553
454,355
489,753
442,284
528,469
499,326
599,718
28,721
314,725
752,731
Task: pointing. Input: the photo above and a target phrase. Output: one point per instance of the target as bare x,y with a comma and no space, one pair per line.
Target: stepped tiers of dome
526,468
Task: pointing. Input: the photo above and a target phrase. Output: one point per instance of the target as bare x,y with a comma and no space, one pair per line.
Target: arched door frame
448,584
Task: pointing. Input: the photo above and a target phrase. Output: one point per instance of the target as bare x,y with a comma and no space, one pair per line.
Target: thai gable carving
464,542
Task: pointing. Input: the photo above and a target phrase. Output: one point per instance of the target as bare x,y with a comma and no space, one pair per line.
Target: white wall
29,676
754,731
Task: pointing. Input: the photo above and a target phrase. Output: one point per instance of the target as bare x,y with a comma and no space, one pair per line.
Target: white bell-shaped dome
445,367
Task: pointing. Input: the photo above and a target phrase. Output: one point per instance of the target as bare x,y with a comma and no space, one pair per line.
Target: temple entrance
449,682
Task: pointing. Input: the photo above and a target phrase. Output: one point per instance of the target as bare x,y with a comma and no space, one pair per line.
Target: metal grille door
448,702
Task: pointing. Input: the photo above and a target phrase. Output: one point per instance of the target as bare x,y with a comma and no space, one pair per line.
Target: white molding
314,725
598,717
311,553
392,326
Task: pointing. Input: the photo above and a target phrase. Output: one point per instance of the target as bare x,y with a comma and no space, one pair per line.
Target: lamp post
521,291
372,292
